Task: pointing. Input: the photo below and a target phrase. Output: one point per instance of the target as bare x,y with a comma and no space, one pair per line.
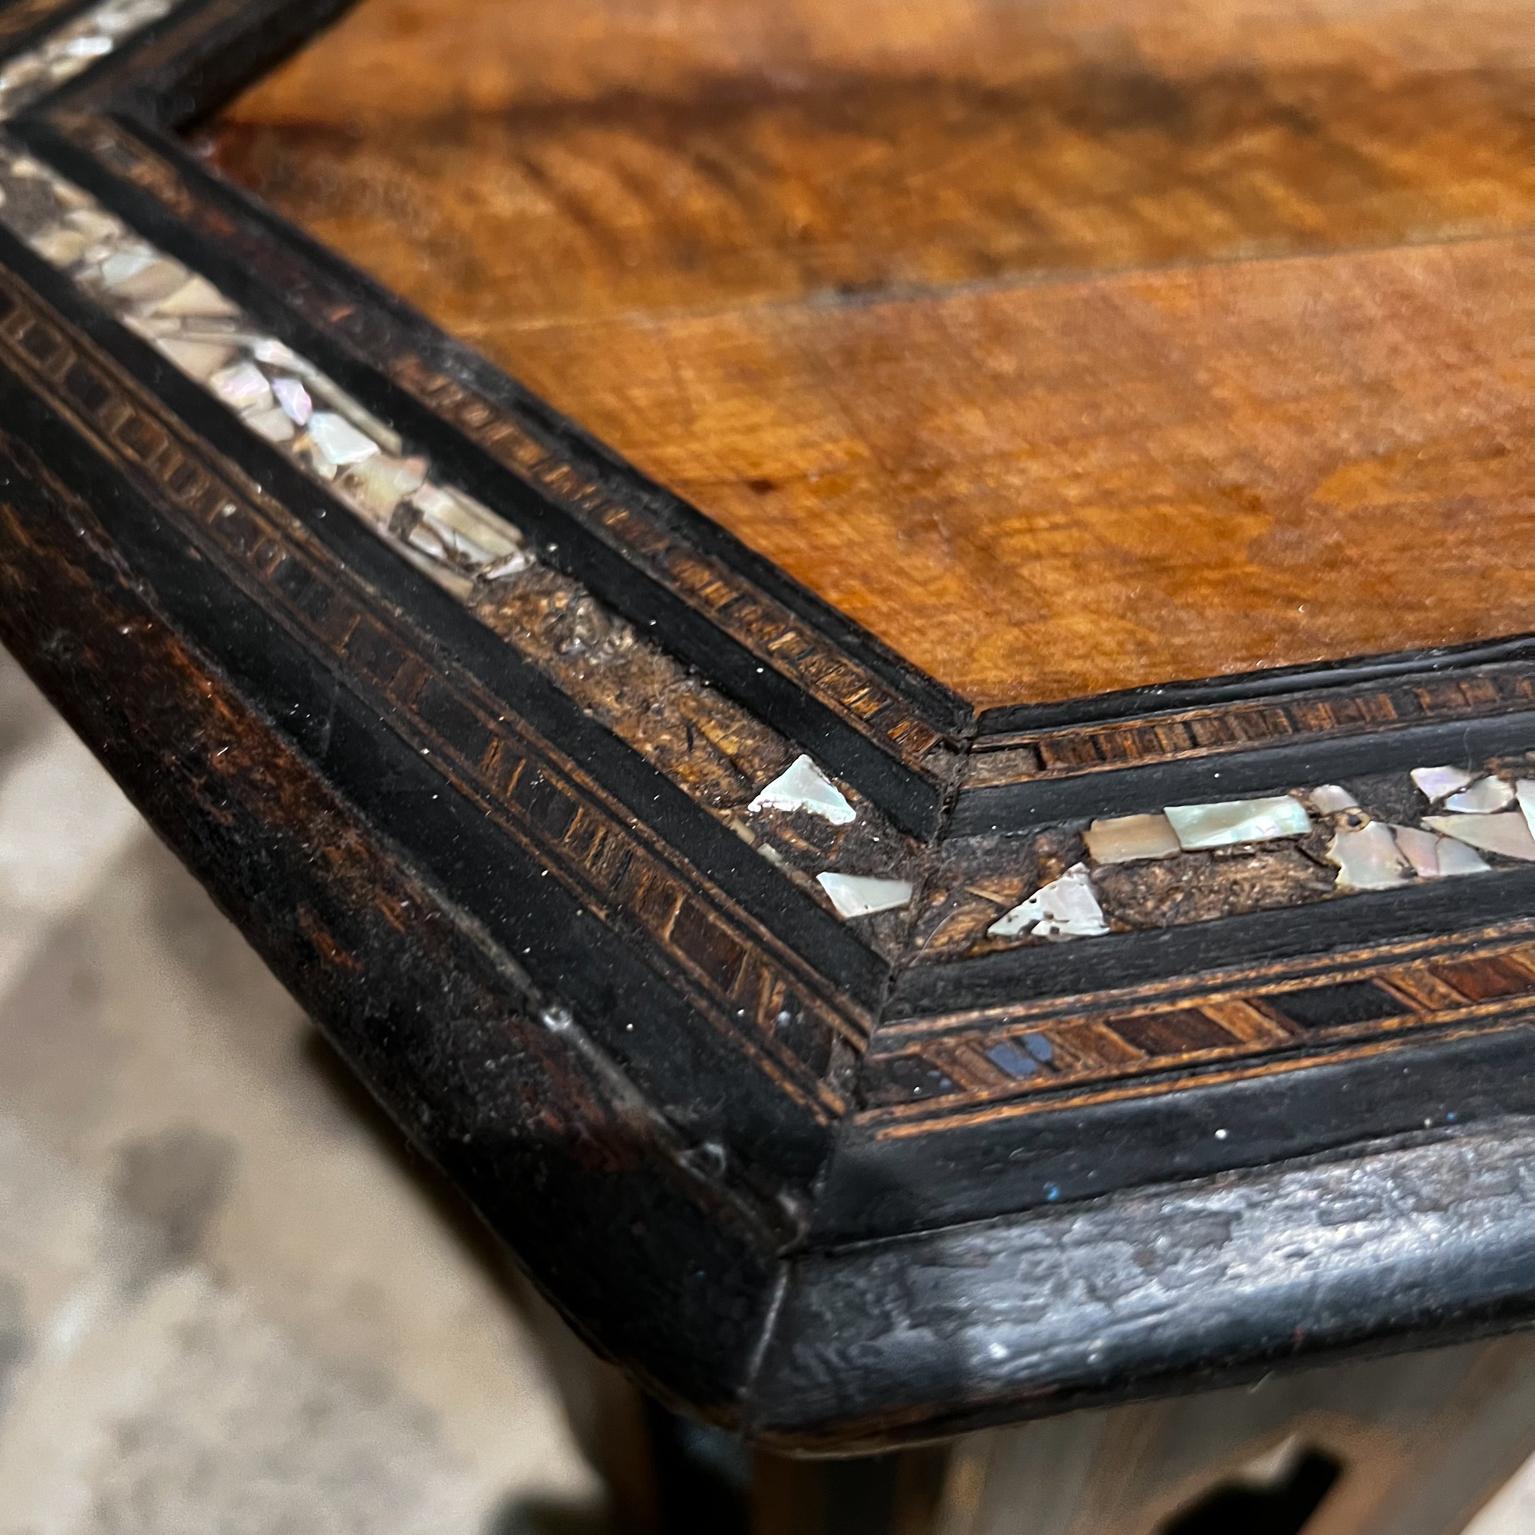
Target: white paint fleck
557,1019
803,786
1065,908
861,895
1241,820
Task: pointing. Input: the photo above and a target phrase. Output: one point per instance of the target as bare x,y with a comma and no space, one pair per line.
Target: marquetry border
1097,1049
724,961
1069,751
903,712
729,966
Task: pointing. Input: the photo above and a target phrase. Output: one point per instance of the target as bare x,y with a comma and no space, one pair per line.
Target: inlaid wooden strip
710,746
1237,726
544,808
1107,1047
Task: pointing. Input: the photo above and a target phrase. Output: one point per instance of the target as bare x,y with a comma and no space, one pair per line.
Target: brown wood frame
766,1159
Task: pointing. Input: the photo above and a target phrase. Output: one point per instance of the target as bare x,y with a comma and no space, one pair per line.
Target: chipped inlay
710,746
802,786
856,895
1194,863
1065,908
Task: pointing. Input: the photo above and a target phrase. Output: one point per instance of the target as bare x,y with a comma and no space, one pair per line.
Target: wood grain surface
1067,347
1185,443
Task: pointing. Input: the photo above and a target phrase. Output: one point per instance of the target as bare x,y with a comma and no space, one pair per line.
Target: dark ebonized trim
1237,687
1424,1241
603,975
995,1161
681,1168
202,55
1025,807
446,627
613,1212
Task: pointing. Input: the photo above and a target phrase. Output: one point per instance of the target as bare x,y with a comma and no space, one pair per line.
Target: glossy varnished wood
1067,349
494,828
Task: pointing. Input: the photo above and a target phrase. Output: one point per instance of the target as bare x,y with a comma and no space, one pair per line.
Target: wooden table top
870,661
1068,348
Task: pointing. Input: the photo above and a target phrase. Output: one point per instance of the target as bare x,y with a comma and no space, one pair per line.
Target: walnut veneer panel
1066,347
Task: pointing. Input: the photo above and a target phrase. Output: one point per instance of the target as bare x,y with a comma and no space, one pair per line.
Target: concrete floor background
227,1301
229,1304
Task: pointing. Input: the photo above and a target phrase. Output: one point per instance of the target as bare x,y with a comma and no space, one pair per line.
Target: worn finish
380,962
1067,351
1333,1256
773,1000
1414,1445
806,152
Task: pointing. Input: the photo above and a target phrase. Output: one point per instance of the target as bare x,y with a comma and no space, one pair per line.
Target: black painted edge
1145,703
1269,768
781,907
1428,1240
439,1021
993,1162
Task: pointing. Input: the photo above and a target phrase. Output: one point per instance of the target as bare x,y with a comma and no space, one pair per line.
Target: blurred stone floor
229,1302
